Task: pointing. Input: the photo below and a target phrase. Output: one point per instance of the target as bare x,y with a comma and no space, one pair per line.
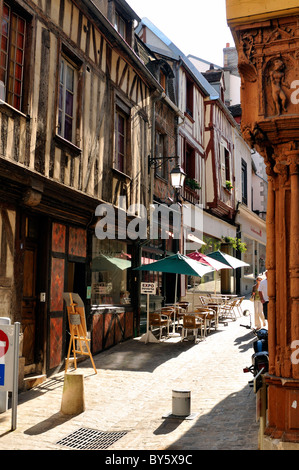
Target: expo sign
148,288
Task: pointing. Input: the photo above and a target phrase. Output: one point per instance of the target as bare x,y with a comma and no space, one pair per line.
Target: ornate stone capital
293,161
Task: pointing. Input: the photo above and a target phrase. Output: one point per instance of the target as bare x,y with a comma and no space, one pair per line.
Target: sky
196,27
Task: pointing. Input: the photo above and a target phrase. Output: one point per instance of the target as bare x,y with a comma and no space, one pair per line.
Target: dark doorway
76,272
34,282
76,279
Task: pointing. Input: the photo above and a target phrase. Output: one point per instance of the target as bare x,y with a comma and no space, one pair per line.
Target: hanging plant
236,244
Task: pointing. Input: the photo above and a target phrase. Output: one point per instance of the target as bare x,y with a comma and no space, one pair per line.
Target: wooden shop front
111,314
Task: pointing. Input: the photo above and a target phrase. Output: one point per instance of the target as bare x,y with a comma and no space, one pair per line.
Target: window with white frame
225,165
67,100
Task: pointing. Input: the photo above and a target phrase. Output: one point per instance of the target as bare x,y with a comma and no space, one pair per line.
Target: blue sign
2,374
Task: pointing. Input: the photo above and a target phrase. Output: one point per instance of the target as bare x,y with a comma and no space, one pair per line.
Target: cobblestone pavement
132,392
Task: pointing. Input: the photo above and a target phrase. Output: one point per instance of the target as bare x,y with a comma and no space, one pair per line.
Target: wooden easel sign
78,331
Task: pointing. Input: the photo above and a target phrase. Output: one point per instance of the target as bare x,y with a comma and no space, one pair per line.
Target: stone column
267,40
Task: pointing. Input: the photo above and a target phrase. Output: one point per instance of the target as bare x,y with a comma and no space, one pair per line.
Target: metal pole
15,376
175,304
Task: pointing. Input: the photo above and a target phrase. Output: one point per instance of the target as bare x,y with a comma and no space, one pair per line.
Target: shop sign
256,231
148,288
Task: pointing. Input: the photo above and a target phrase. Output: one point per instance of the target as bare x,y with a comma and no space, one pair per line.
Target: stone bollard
181,402
73,402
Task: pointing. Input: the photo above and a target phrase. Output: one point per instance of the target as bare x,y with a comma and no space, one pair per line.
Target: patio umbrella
109,263
177,264
217,265
229,260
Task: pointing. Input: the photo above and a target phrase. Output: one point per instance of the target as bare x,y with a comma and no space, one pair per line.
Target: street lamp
177,176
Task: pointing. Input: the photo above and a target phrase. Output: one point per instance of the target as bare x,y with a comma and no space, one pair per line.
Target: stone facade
268,50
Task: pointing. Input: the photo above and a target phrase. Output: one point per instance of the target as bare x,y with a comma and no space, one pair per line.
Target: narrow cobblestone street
132,392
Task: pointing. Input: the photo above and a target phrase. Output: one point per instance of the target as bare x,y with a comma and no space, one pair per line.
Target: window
225,163
12,52
244,181
162,79
120,141
161,168
110,282
67,107
120,25
190,162
189,97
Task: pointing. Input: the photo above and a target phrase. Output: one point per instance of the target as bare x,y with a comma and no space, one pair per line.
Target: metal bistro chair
184,305
179,313
238,305
159,320
209,316
192,322
228,310
204,300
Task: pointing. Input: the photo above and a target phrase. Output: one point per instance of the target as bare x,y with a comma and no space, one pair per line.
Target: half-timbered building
74,134
166,120
205,146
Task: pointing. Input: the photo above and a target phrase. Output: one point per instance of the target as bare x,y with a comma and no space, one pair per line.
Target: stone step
33,380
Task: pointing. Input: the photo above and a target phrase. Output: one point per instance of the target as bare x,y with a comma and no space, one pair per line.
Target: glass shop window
110,265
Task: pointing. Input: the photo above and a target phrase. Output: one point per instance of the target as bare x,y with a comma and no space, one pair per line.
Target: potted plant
229,185
192,183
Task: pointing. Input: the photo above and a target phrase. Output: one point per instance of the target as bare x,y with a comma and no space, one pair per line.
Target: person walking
259,318
263,292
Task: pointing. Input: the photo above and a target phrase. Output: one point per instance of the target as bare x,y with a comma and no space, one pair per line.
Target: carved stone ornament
32,197
293,161
269,70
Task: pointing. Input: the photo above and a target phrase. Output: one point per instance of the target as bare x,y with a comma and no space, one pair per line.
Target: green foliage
236,243
192,183
229,185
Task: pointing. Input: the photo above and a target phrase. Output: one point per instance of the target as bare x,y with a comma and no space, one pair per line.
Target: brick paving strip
133,392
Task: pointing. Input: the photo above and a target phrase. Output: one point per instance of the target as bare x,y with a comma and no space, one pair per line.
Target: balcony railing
190,195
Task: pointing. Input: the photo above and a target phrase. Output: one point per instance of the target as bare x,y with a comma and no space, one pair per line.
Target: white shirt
263,288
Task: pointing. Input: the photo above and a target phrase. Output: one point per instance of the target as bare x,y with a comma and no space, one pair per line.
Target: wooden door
29,303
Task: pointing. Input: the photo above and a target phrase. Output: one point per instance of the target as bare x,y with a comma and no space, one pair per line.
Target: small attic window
162,79
189,97
120,25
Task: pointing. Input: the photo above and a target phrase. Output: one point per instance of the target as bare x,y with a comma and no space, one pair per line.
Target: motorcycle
260,358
